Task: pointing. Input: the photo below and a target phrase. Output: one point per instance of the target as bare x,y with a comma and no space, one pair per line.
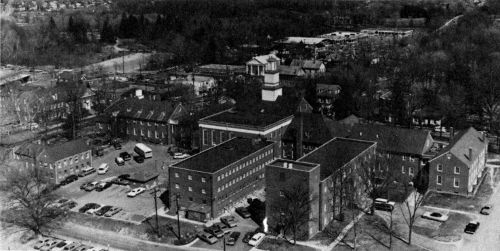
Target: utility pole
178,216
155,194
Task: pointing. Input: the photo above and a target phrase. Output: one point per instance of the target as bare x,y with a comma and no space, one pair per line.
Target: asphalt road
487,236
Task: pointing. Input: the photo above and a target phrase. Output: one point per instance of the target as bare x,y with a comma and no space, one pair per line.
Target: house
258,65
291,75
405,150
61,160
312,68
144,120
324,174
458,167
210,182
201,84
327,94
264,119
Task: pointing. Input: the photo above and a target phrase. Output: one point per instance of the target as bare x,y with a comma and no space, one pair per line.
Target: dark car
214,230
117,146
486,210
69,205
123,176
91,186
243,212
103,186
88,206
82,186
139,159
247,237
230,221
233,238
125,156
222,227
120,181
103,210
69,179
472,227
210,239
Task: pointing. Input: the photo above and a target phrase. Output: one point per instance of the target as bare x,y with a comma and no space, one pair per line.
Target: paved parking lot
134,209
243,226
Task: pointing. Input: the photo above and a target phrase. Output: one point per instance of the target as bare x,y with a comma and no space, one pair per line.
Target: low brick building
211,181
458,167
62,160
326,172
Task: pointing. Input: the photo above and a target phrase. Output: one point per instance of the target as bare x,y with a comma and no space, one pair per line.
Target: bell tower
271,89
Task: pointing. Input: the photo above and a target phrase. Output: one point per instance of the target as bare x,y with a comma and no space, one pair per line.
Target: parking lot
134,209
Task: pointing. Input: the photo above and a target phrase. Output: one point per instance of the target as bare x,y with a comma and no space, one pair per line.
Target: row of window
148,132
190,177
456,181
456,169
190,189
222,136
241,177
410,170
70,160
245,164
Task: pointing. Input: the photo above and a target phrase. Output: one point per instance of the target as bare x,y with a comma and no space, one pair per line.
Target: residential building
327,94
326,174
61,160
312,68
459,167
406,151
208,183
144,120
290,76
265,119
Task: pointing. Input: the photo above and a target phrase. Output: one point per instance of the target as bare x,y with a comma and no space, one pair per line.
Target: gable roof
142,109
462,142
291,70
307,64
263,59
30,150
67,149
315,130
393,139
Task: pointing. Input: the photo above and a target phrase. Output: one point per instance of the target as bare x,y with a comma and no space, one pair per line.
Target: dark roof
315,129
30,150
142,109
393,139
67,149
220,156
462,142
262,114
290,70
334,154
142,177
307,64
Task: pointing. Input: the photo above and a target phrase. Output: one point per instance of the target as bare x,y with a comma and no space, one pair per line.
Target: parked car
383,204
181,155
486,210
86,171
472,227
91,186
103,210
50,244
208,238
43,242
112,211
59,203
222,227
117,146
82,248
103,168
230,221
233,238
60,246
69,179
120,181
72,246
247,237
125,156
435,216
87,207
123,176
243,212
69,205
136,191
215,231
119,161
256,239
138,159
103,186
93,209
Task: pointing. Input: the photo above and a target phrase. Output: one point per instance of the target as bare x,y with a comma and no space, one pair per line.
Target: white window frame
410,171
176,175
455,170
203,191
439,167
177,186
203,136
203,180
455,181
439,180
402,169
190,189
190,177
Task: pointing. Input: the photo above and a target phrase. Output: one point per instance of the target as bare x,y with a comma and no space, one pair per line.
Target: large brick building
326,173
61,160
144,120
209,182
459,166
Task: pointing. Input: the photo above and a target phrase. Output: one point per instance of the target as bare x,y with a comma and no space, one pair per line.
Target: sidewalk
451,210
343,233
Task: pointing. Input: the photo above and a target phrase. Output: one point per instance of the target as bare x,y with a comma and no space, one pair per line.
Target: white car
181,155
93,210
256,239
136,191
60,246
435,216
103,168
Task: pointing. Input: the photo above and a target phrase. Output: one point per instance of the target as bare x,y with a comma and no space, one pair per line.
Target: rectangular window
404,157
439,167
456,183
410,171
190,177
190,189
203,179
213,138
176,186
457,170
282,194
438,180
203,191
402,169
205,137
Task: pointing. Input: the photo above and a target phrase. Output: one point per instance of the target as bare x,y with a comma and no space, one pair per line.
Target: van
86,171
103,168
383,204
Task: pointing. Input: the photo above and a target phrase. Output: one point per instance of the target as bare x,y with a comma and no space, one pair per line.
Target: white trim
233,129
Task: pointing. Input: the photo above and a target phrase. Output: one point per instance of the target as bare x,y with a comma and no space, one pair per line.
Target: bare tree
409,208
30,199
376,178
295,211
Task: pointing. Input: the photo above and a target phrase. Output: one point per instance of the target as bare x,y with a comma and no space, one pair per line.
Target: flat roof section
220,156
296,165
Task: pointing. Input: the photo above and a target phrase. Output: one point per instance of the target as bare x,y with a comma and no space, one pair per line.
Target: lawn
282,245
451,230
330,233
457,202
